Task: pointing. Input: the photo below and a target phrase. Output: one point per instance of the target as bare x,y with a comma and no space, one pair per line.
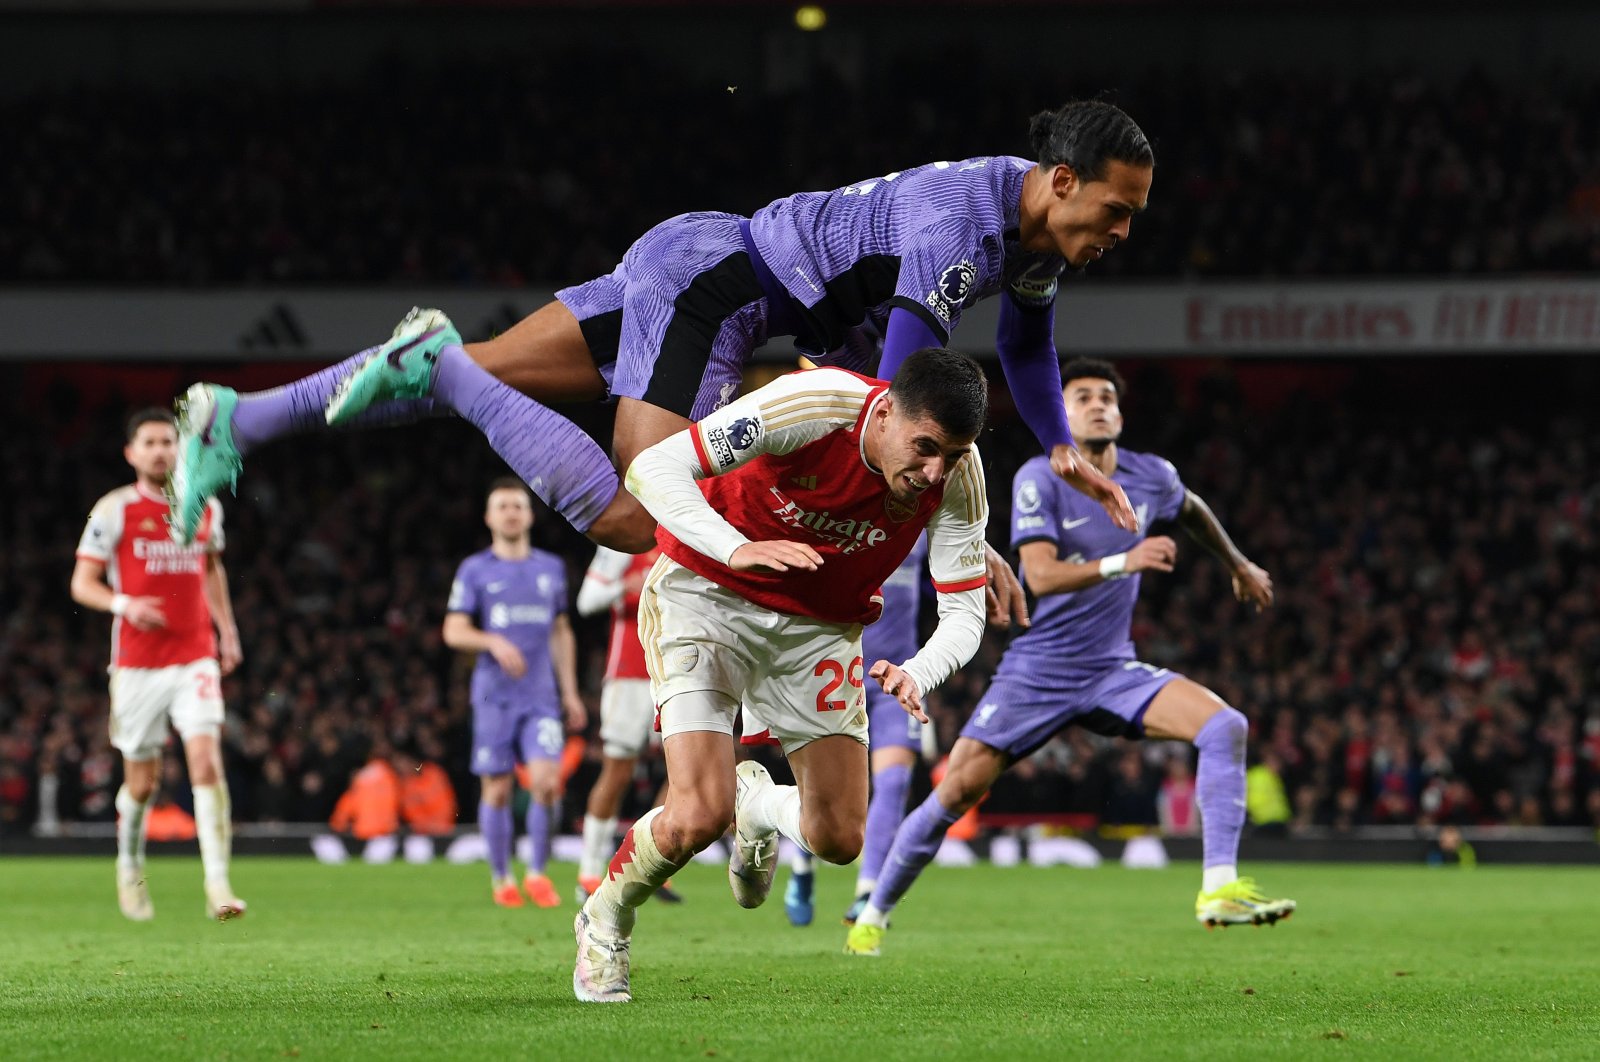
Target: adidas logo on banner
276,330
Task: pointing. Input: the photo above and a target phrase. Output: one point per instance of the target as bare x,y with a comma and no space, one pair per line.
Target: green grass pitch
414,962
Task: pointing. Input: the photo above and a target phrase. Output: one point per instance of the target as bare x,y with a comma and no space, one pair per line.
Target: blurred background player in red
166,665
508,604
627,711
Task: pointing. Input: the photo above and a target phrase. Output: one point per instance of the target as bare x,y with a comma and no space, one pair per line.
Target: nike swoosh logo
1068,525
399,352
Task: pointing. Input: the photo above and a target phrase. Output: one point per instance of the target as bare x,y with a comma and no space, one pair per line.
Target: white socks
641,870
213,814
1218,876
598,836
776,809
130,830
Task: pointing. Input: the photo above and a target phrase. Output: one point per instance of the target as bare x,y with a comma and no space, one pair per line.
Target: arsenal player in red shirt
167,661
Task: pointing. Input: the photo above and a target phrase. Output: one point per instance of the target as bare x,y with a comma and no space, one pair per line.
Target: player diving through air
1076,664
670,330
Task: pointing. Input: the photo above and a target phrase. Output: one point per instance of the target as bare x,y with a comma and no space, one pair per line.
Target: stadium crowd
1275,174
1430,657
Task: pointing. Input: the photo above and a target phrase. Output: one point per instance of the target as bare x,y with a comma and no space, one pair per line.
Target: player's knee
682,835
959,793
1229,730
141,790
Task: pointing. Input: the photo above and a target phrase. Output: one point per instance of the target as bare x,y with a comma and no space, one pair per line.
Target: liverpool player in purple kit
1077,665
895,740
670,330
509,605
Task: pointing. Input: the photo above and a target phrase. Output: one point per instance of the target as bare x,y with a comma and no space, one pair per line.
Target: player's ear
1063,180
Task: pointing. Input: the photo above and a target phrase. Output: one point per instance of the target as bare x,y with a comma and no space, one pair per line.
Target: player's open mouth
914,485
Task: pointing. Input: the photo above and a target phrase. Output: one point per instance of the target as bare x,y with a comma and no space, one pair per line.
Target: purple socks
1219,784
300,407
884,812
539,816
915,845
563,466
495,823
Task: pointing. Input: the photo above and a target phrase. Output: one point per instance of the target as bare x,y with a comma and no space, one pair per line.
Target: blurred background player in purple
1076,664
669,331
508,604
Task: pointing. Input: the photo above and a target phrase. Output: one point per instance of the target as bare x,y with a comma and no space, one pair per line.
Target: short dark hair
1086,135
149,415
1095,369
945,385
507,483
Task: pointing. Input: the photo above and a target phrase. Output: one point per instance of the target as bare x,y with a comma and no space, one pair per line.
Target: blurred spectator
427,802
370,808
1266,801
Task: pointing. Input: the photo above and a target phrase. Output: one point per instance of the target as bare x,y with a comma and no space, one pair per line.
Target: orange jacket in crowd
166,821
371,806
427,801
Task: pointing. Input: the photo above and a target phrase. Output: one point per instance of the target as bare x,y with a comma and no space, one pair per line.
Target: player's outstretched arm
956,550
1251,583
1070,464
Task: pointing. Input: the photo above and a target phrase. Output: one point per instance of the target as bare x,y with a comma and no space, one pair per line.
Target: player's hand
577,713
1252,584
145,613
774,556
230,654
1007,603
901,686
508,656
1070,464
1158,553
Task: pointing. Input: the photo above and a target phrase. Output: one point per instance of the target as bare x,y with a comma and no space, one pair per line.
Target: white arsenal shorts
627,717
145,699
799,679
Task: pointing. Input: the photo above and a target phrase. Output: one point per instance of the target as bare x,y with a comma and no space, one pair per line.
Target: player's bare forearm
460,634
217,596
89,587
1046,573
564,654
1251,583
1202,525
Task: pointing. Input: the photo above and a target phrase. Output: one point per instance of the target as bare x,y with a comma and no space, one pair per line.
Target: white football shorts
799,679
627,717
145,699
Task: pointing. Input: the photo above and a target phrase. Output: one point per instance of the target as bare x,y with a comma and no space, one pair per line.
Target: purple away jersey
520,600
1080,634
933,239
1076,663
894,638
